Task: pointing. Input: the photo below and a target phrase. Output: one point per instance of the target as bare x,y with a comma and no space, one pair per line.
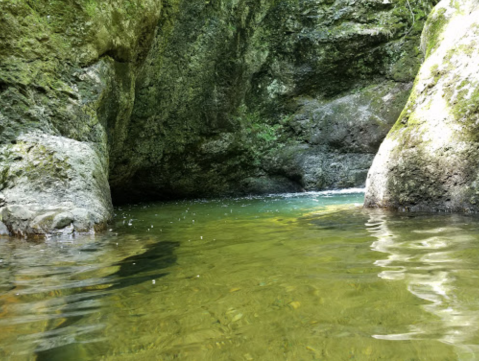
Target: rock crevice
180,98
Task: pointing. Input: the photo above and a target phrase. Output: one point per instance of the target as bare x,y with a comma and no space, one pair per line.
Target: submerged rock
430,159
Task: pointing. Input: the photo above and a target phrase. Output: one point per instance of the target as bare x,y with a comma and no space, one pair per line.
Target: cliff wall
150,99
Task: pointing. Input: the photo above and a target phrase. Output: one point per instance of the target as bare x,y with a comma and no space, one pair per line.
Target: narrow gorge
141,100
239,180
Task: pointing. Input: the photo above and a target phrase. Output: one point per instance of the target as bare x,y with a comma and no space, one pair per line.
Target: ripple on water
279,277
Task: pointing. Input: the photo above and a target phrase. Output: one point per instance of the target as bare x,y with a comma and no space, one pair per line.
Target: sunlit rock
430,159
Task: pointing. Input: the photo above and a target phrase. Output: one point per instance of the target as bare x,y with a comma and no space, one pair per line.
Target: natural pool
289,277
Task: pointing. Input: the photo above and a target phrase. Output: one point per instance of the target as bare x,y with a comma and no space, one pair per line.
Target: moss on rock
178,98
429,160
67,75
244,68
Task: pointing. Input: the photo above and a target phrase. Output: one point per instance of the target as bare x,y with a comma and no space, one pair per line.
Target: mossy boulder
430,159
67,75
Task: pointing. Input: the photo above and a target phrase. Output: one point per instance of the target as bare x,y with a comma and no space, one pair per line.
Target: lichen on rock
53,184
67,71
269,74
429,160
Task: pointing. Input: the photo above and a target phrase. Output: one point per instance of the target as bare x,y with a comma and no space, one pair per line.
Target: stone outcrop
67,68
430,159
181,98
266,96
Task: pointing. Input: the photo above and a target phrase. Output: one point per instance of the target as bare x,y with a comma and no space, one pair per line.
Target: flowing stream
308,276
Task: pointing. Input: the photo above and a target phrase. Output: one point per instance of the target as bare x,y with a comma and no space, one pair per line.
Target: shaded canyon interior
136,100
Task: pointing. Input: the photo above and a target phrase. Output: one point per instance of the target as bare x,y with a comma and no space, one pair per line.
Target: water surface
286,277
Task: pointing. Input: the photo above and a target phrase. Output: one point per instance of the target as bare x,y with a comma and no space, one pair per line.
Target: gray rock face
258,81
67,73
53,184
181,98
430,159
340,137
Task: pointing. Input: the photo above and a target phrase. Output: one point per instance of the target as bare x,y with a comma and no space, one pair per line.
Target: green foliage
91,8
261,137
408,16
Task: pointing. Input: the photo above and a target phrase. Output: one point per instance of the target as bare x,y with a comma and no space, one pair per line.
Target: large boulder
67,76
430,159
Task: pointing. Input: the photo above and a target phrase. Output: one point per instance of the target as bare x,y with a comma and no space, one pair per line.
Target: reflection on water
291,277
426,255
48,287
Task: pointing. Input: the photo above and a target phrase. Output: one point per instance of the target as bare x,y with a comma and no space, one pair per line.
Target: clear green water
308,277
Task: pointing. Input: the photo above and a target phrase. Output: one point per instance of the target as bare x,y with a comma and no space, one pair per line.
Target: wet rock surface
236,91
162,99
429,160
67,71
